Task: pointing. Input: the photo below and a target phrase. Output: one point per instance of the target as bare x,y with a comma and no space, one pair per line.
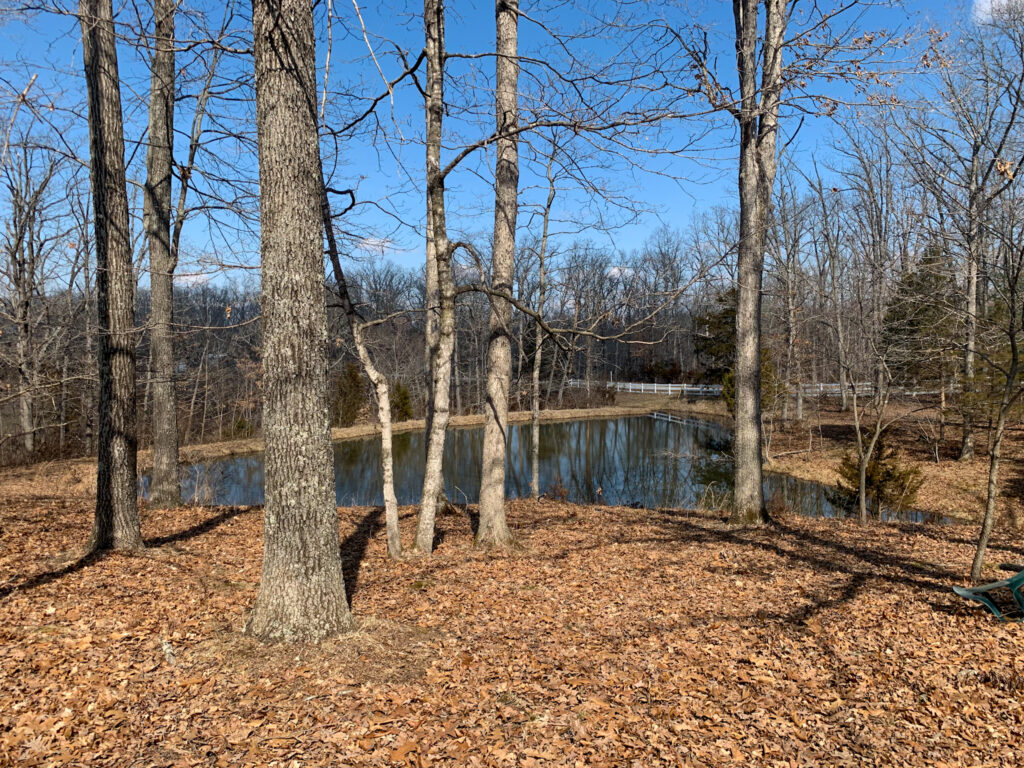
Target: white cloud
982,9
378,246
191,279
619,273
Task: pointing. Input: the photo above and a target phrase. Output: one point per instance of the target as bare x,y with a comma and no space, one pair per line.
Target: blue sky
387,176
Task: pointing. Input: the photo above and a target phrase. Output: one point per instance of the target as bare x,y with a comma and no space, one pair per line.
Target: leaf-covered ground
613,637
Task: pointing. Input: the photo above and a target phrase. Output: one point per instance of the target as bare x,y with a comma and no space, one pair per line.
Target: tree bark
440,342
970,316
164,489
493,529
302,589
116,523
758,125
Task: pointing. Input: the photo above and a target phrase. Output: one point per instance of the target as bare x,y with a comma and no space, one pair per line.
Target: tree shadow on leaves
93,556
860,565
353,548
46,577
225,514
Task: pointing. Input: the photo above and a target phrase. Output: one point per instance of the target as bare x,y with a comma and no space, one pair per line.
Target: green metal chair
980,594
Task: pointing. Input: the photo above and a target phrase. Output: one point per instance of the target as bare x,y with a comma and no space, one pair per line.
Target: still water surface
642,461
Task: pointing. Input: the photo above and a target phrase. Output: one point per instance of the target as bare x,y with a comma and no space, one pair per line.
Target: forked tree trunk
758,125
493,529
164,490
302,589
116,523
440,342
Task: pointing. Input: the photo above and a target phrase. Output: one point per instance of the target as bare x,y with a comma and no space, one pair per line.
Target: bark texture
302,589
440,300
493,529
757,116
164,490
116,523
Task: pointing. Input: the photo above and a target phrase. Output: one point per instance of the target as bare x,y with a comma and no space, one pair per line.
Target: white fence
711,390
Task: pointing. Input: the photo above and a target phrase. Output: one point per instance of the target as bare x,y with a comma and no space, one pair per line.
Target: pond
652,461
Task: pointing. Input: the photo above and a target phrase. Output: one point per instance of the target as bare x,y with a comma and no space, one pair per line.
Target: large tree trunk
440,342
758,126
116,524
302,590
164,490
493,529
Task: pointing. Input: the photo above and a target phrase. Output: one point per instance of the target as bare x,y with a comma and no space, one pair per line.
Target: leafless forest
202,205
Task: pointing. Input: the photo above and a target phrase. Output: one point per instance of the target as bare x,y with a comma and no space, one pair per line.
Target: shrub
350,396
401,402
890,483
773,389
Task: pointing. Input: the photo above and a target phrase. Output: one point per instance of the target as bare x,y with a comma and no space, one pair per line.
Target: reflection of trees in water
631,461
233,481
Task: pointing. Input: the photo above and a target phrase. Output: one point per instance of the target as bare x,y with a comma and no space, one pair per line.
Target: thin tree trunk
441,346
970,318
995,453
991,495
302,588
26,381
164,490
493,528
377,379
116,524
539,339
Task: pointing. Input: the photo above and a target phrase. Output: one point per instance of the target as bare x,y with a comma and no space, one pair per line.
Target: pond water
644,461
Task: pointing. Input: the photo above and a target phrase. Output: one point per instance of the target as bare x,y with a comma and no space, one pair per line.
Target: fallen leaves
613,637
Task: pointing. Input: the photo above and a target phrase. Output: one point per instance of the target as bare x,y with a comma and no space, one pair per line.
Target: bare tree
164,490
117,518
302,588
357,326
757,115
966,154
1001,352
440,285
493,528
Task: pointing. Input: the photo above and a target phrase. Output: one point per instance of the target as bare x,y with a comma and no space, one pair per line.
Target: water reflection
638,461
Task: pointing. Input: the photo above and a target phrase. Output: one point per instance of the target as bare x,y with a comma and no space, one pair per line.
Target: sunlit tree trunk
377,379
441,343
539,340
758,126
493,529
302,590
